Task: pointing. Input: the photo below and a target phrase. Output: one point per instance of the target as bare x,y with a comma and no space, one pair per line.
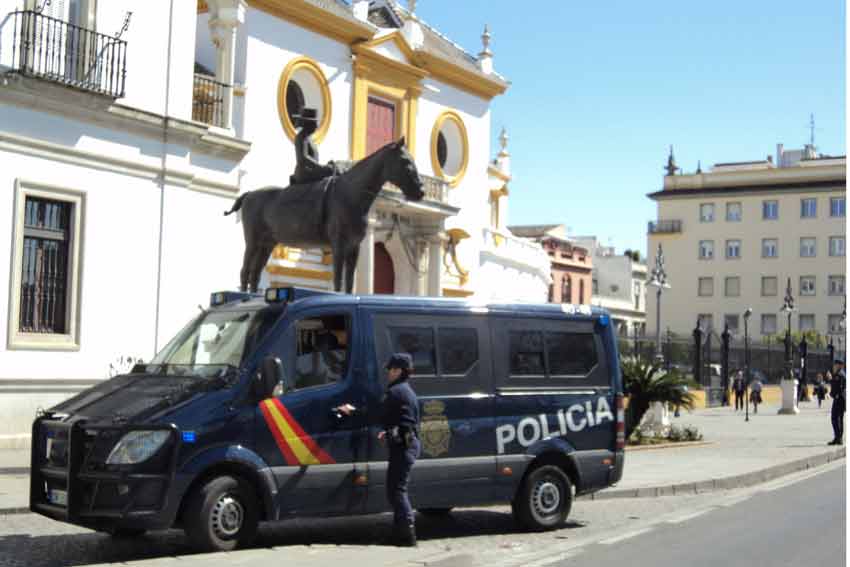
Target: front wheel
544,500
222,514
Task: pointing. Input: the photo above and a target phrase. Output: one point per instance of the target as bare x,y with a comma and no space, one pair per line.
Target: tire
544,500
222,514
434,512
126,533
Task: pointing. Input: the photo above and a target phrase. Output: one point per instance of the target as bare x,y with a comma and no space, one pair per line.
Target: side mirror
268,378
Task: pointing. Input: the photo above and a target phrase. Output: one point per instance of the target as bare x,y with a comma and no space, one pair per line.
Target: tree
646,383
815,339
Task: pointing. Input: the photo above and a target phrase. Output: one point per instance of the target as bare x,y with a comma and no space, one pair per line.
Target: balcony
54,50
436,190
664,227
208,97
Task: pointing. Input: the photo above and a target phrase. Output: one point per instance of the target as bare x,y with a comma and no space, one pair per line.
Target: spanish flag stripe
296,444
308,441
278,437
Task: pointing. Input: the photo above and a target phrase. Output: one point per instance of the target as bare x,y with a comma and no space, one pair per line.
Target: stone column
225,17
435,265
364,277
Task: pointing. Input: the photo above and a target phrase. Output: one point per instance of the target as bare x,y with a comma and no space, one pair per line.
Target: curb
632,448
12,471
727,483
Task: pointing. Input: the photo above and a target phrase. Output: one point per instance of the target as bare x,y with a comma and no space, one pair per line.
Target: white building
732,238
619,285
121,148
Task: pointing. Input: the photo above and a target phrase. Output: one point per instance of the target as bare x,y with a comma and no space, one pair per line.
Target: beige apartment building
734,235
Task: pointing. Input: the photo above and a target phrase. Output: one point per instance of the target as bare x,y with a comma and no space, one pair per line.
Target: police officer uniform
837,390
401,427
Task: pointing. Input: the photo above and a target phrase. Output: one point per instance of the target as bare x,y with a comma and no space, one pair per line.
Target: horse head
400,170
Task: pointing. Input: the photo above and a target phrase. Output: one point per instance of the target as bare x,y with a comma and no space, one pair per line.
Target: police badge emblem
434,429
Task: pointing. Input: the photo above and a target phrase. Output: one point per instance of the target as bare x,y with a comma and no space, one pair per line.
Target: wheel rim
227,516
546,498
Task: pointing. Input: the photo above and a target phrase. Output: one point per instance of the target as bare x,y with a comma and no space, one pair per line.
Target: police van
233,422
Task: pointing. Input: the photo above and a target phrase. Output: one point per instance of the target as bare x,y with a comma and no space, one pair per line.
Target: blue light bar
221,297
604,320
188,436
279,294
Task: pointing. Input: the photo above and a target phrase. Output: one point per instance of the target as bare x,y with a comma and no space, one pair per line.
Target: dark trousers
398,475
739,400
838,419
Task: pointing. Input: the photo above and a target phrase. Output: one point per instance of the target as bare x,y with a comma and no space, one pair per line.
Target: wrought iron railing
208,101
664,227
55,50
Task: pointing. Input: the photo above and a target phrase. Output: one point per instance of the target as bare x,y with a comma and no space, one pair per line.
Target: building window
733,212
595,286
44,307
836,285
808,208
551,293
733,249
769,285
732,286
705,287
770,248
706,212
731,321
834,323
581,292
836,246
566,289
303,84
807,322
770,210
837,207
706,249
449,147
706,321
768,324
808,247
807,285
637,295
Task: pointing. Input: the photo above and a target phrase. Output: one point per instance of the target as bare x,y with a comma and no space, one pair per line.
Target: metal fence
58,51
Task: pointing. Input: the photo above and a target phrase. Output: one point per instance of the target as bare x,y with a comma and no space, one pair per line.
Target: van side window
526,353
321,350
458,350
418,342
570,354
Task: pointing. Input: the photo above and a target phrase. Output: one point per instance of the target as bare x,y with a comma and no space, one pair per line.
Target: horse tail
236,205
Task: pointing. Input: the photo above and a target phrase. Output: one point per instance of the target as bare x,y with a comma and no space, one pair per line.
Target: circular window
449,148
302,84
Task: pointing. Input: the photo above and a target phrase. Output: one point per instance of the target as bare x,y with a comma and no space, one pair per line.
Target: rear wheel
222,514
434,512
544,500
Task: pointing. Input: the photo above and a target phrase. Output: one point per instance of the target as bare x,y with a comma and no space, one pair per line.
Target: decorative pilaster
435,254
224,21
365,272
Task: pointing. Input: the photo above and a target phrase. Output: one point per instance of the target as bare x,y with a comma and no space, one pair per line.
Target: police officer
837,390
401,433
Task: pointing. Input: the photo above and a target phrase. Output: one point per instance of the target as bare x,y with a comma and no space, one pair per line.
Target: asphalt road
803,523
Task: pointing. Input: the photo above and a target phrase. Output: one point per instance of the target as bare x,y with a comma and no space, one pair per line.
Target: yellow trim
312,66
460,77
203,7
316,19
457,234
496,193
449,292
382,77
452,116
496,172
296,445
299,273
327,257
395,37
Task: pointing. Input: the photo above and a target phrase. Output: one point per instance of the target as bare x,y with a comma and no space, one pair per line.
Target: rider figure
308,168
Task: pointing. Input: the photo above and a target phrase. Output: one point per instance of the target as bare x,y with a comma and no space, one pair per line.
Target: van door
314,454
452,379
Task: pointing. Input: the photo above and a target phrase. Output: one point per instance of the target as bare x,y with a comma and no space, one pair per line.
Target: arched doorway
384,275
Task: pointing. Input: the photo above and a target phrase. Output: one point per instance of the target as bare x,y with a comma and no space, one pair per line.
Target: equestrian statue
323,206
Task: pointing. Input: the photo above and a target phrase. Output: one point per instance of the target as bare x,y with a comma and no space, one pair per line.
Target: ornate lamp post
658,279
788,384
747,314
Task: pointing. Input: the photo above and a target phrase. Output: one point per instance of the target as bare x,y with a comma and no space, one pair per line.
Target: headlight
137,446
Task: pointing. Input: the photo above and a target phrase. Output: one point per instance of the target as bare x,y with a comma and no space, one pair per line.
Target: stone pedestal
789,397
657,415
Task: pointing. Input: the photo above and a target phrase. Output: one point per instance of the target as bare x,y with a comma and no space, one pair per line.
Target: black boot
406,536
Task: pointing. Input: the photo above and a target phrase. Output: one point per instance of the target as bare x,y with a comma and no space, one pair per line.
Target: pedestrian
738,388
820,388
837,391
755,394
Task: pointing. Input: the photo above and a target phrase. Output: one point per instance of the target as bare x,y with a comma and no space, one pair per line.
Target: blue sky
601,89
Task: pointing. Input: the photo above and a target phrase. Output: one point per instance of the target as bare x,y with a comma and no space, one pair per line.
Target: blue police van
233,422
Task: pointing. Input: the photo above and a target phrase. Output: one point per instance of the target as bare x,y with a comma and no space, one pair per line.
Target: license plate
58,497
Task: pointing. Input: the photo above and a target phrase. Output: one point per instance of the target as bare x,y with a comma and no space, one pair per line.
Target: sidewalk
737,454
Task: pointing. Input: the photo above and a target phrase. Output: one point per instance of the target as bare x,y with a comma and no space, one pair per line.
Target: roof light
279,294
604,320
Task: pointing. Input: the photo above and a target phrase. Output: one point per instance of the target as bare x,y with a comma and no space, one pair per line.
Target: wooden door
380,124
384,277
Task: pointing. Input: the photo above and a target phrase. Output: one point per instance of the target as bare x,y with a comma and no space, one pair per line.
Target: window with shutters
46,268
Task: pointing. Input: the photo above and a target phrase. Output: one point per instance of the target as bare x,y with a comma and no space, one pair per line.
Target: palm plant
646,383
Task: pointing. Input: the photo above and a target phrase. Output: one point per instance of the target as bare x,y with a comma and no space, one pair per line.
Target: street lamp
789,388
747,314
658,279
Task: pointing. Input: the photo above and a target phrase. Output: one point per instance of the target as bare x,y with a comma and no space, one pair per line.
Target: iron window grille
49,48
208,101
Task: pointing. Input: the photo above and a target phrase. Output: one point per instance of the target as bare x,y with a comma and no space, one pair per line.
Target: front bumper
68,481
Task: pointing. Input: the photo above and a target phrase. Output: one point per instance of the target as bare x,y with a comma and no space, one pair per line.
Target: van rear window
418,342
527,358
458,350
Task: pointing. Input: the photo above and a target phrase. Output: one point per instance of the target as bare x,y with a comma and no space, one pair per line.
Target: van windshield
214,343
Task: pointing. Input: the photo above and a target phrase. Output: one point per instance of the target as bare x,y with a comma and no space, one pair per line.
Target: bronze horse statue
330,212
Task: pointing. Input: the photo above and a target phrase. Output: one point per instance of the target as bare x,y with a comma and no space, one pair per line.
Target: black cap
400,360
839,361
